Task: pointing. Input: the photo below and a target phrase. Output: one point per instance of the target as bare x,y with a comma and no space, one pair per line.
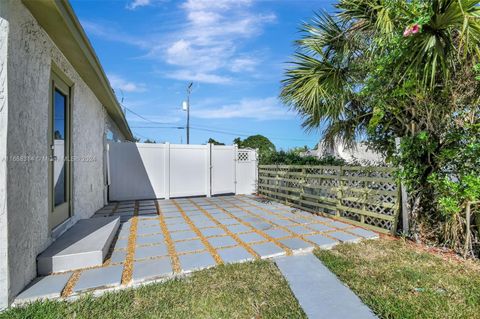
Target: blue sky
234,51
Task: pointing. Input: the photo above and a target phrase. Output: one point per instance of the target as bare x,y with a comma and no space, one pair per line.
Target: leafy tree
214,142
383,69
149,141
260,142
57,135
294,158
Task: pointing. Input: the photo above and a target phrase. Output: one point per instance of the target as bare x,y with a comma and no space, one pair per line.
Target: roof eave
58,19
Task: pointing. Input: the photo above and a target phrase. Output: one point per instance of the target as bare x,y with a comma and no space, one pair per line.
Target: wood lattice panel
365,195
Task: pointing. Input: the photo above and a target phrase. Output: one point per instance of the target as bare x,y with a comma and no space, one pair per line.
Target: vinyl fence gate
146,171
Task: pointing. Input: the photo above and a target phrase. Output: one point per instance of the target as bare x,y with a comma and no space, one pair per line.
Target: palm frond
451,34
326,36
369,15
315,88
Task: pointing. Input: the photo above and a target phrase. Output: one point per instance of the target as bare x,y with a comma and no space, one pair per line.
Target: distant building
358,154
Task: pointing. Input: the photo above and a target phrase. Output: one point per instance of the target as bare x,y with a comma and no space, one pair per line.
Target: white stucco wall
359,154
30,56
3,164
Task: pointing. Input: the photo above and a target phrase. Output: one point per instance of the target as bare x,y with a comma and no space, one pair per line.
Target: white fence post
404,197
107,165
167,170
235,163
208,171
256,169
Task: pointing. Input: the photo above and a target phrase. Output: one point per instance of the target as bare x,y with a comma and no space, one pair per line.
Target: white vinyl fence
145,171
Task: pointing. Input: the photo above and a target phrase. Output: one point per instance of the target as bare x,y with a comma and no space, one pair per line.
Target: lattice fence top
364,195
243,156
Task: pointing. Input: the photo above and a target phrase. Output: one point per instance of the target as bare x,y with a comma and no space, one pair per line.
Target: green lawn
249,290
397,280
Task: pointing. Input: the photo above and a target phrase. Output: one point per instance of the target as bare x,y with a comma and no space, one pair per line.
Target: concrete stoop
84,245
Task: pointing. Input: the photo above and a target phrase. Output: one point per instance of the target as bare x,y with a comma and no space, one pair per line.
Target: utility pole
186,107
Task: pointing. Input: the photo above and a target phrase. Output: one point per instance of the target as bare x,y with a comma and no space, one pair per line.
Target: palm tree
381,66
382,69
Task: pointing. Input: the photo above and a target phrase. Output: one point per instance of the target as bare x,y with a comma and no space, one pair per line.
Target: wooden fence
367,196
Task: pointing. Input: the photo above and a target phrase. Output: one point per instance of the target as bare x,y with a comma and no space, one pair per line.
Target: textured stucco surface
3,164
30,54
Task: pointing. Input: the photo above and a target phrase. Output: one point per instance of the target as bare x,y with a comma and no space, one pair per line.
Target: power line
221,132
205,129
158,127
145,137
247,135
226,129
146,119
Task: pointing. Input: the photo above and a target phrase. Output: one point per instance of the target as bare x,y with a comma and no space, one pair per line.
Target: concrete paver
99,278
45,287
322,241
149,230
150,251
196,261
207,232
235,254
149,240
222,241
319,291
177,227
151,269
189,245
296,244
238,228
344,237
268,250
320,227
276,233
251,237
364,233
121,243
300,230
183,235
118,256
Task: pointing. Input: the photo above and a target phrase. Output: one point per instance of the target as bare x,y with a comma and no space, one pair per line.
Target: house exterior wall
359,154
30,55
3,163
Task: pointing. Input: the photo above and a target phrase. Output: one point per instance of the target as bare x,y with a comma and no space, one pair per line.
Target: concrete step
86,244
320,293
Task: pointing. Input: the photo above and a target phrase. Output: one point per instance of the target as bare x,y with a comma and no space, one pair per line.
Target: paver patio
159,239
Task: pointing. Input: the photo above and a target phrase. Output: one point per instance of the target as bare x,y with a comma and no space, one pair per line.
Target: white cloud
211,78
214,4
243,64
180,53
138,3
208,42
112,34
120,84
206,46
259,109
203,17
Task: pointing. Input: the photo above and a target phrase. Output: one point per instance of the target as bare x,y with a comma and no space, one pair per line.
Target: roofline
58,19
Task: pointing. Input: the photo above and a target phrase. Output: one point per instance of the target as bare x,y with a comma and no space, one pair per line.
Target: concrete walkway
319,291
